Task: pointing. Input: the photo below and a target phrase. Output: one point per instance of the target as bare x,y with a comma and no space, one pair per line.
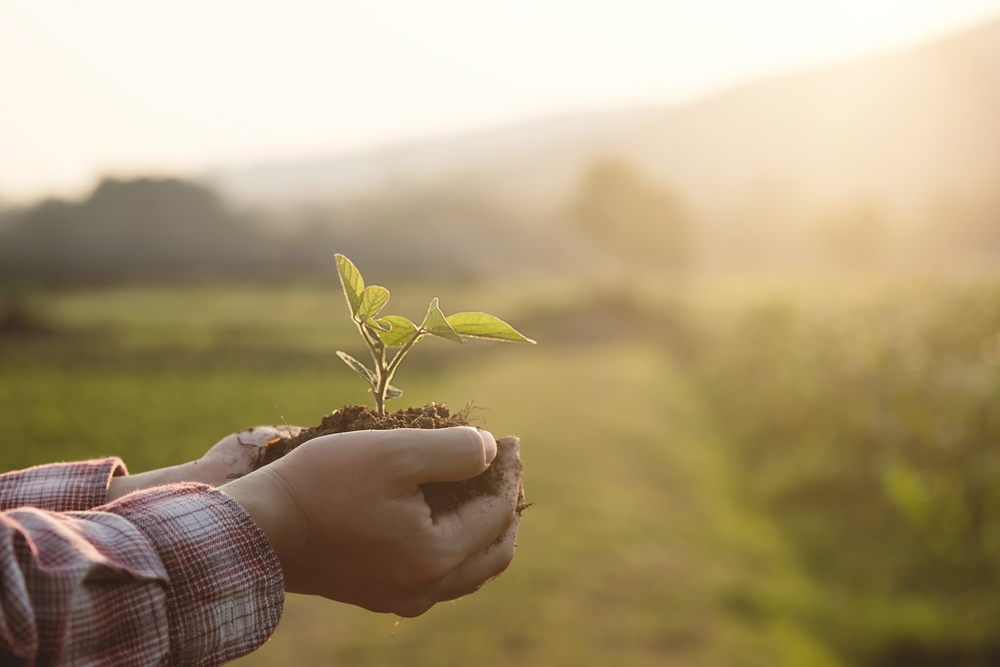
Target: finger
474,525
477,523
439,455
237,453
511,445
259,435
489,445
483,566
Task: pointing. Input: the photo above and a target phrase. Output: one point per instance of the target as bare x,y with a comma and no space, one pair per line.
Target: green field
728,474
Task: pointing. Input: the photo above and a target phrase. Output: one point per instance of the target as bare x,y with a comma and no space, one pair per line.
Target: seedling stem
380,334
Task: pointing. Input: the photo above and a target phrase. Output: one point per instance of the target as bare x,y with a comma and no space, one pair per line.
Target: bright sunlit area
128,88
727,273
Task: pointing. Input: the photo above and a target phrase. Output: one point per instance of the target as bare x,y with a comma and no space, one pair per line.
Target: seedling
394,331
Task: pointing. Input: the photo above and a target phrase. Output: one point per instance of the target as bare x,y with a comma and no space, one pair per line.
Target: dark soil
442,497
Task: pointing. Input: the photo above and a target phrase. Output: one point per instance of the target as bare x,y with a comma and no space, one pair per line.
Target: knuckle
428,572
379,607
507,558
412,608
502,551
469,589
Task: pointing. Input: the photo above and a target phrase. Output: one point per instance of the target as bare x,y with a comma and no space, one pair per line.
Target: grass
642,550
637,553
870,421
731,473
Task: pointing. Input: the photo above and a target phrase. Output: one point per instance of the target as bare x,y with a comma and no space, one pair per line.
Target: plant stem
385,372
380,400
377,349
394,364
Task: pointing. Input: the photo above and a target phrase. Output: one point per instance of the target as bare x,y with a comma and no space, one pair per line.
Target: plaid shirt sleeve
60,487
173,575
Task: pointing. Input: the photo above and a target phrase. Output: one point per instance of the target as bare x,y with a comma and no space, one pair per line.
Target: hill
902,129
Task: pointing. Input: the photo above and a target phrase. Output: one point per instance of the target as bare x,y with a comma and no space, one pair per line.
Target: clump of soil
442,497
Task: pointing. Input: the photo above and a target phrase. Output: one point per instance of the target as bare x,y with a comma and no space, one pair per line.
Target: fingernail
489,445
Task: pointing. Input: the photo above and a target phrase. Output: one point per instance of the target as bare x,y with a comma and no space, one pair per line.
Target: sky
119,87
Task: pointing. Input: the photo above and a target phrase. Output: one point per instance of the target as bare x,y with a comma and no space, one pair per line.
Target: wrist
264,497
226,588
192,471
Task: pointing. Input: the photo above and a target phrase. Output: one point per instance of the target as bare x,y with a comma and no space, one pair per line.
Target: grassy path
638,553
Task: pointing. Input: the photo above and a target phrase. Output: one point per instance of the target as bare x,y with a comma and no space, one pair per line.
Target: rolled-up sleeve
174,575
60,487
226,589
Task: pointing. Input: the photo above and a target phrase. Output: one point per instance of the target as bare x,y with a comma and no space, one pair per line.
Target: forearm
176,575
64,583
230,458
211,473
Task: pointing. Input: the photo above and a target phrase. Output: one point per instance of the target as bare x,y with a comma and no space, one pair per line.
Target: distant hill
325,179
901,128
890,162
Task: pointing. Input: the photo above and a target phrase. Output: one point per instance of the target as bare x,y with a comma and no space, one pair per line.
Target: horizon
166,112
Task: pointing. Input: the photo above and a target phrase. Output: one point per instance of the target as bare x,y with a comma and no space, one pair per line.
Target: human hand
229,458
347,520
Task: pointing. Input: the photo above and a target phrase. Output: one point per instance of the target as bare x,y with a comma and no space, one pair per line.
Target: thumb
440,455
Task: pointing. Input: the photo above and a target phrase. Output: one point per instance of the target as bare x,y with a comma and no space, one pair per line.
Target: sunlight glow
125,87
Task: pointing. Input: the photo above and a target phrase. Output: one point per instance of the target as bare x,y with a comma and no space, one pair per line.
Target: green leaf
392,392
358,368
481,325
400,334
436,324
351,281
375,325
372,301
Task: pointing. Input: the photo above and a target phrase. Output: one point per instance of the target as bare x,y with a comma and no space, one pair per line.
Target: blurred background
758,245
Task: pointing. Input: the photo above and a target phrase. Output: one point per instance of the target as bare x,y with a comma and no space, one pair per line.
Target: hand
345,515
229,458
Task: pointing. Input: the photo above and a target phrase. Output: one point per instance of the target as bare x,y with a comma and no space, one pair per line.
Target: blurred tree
131,227
623,213
161,214
167,228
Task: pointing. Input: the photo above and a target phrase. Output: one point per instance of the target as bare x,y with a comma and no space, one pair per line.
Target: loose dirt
442,497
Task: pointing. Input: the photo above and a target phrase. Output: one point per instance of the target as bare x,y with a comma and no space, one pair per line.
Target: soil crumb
442,497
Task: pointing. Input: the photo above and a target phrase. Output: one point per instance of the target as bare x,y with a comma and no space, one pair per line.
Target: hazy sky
126,87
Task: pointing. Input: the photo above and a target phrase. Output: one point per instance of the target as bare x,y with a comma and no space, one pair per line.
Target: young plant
394,331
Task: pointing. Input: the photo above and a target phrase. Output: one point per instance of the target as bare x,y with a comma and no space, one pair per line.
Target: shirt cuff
226,589
60,487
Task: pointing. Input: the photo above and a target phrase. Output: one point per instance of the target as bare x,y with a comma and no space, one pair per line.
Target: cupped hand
346,517
228,459
235,455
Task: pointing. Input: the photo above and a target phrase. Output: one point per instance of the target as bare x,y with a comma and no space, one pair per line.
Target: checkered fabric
60,487
173,575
